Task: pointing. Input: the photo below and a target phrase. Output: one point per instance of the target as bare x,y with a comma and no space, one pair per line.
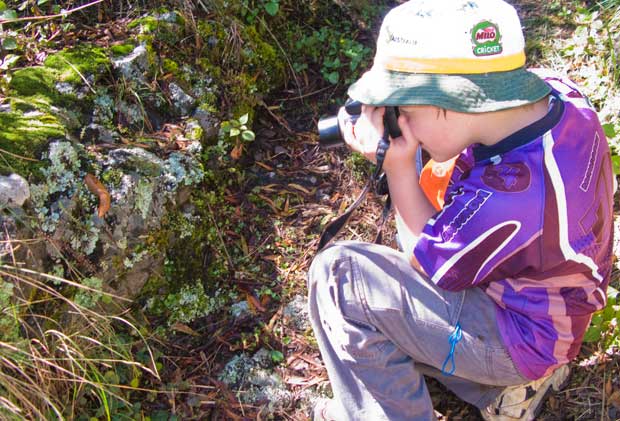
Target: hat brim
467,93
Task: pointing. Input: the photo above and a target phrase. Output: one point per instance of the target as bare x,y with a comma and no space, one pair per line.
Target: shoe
525,401
321,410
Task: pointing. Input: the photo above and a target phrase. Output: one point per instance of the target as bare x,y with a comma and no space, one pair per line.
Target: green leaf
615,162
332,77
277,356
244,119
272,8
42,2
610,130
234,132
2,6
225,126
9,14
9,61
111,377
9,43
248,135
593,334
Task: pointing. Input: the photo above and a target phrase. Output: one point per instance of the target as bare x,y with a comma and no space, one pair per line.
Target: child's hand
363,136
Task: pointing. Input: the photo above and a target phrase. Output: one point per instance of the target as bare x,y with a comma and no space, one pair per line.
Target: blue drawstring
454,338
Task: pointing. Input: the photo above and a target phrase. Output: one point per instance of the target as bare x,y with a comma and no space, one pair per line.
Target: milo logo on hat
485,37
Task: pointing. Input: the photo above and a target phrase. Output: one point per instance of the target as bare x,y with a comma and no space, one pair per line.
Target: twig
47,17
18,156
80,75
219,234
603,400
10,244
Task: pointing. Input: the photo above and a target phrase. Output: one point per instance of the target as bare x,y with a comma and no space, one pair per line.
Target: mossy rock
39,85
36,81
76,63
42,108
23,137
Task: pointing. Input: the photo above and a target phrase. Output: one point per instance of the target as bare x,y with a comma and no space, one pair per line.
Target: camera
330,132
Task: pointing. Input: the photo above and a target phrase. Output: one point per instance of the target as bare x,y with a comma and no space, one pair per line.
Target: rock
182,103
240,309
296,313
136,159
96,133
133,65
207,120
14,190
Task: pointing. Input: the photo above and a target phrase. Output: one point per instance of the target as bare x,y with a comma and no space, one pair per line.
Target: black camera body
330,132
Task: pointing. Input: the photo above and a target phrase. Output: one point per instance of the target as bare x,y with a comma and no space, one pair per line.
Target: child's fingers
406,130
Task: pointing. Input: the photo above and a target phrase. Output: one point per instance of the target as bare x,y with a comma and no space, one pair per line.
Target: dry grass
57,357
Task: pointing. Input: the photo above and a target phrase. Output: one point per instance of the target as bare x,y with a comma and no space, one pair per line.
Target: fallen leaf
265,166
254,303
99,190
237,151
180,327
244,246
300,188
270,202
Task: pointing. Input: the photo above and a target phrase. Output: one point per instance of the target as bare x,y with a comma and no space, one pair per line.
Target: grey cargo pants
381,326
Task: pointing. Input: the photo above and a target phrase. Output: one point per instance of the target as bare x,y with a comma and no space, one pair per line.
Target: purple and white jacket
530,221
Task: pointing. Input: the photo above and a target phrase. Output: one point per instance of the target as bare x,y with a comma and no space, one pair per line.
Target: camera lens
330,135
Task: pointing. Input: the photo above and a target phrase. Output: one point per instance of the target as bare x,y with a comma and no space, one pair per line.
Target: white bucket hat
466,56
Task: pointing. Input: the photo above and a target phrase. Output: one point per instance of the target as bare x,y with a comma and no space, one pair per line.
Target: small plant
272,7
335,50
605,325
237,131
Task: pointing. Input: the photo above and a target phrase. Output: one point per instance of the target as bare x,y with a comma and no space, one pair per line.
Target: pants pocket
361,337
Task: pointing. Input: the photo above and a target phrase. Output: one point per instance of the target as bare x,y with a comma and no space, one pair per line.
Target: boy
492,294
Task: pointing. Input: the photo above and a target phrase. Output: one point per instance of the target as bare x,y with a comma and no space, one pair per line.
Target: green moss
23,138
112,176
123,49
40,87
146,24
258,55
263,60
73,64
170,66
213,33
168,32
35,81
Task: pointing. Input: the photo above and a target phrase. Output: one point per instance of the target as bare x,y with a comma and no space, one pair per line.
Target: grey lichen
135,257
256,381
296,313
183,170
60,176
85,238
143,197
